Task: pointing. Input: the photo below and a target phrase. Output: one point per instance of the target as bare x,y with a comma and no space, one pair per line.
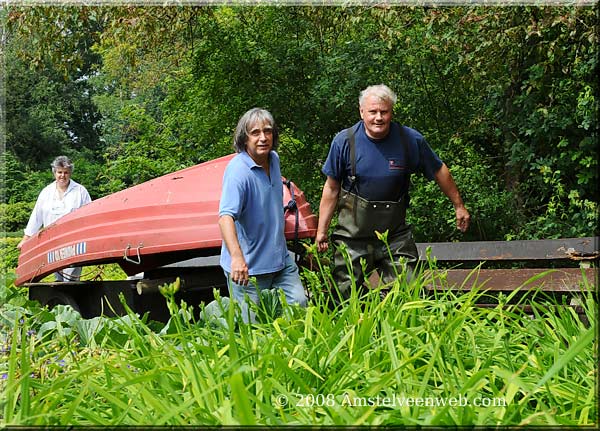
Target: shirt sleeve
232,196
334,164
36,219
430,163
85,196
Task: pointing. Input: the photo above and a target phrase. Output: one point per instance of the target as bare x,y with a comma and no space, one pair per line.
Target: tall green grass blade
12,392
574,350
239,393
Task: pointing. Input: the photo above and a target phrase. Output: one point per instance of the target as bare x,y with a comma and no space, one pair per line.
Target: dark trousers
376,256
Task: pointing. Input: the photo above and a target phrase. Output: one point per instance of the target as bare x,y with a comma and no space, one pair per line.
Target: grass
405,359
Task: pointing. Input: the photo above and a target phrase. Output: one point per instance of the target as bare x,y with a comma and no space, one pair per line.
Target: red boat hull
164,220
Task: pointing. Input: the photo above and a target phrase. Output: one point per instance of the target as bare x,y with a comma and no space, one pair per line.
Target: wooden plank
547,249
559,280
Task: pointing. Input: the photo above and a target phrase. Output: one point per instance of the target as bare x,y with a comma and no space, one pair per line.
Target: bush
20,183
491,206
15,216
9,254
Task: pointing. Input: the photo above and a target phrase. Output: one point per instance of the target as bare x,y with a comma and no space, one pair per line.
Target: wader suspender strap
352,177
352,158
353,168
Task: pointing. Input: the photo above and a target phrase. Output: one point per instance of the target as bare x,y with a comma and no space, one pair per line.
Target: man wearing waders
368,176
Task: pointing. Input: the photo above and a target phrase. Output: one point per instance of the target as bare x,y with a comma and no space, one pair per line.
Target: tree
506,95
48,96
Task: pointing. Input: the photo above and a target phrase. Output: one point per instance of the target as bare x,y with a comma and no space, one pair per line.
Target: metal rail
522,250
507,280
555,252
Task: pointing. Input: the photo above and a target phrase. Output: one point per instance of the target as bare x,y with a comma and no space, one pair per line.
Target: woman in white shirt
57,199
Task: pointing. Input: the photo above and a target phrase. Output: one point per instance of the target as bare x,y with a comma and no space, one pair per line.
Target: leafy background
506,95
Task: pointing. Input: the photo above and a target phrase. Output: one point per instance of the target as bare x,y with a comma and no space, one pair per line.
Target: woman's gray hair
381,91
250,119
62,162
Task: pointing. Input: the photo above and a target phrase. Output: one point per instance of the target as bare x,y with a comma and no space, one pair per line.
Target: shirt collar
248,161
71,185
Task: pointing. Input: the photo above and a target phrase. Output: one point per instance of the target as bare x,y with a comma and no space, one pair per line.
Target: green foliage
564,215
491,206
508,96
9,254
528,110
49,107
318,367
23,185
144,157
536,115
48,98
20,183
270,305
34,117
15,216
313,366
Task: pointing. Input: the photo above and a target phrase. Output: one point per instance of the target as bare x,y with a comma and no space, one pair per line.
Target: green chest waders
358,219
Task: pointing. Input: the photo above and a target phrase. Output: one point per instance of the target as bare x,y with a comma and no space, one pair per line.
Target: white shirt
49,207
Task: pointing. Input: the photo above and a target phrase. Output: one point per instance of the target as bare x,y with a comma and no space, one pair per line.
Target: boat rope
293,206
37,271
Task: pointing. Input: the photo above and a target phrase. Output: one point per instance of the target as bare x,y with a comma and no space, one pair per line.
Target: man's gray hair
62,162
250,119
381,91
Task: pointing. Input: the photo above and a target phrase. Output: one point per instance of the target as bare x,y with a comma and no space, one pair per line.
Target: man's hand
331,191
463,219
239,267
444,179
322,242
239,270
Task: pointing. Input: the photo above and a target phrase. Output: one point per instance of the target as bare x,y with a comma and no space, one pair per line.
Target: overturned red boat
164,220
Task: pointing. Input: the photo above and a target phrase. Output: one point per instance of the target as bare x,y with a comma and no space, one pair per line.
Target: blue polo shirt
383,166
255,202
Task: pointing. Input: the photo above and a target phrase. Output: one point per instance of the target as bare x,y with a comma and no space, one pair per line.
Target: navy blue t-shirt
383,168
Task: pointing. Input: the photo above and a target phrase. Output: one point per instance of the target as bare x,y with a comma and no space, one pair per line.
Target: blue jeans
68,274
287,279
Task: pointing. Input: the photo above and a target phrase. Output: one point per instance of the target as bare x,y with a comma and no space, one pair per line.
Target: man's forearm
449,188
446,183
328,204
229,234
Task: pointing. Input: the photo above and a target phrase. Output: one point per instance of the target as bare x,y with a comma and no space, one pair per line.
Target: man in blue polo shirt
368,177
251,216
